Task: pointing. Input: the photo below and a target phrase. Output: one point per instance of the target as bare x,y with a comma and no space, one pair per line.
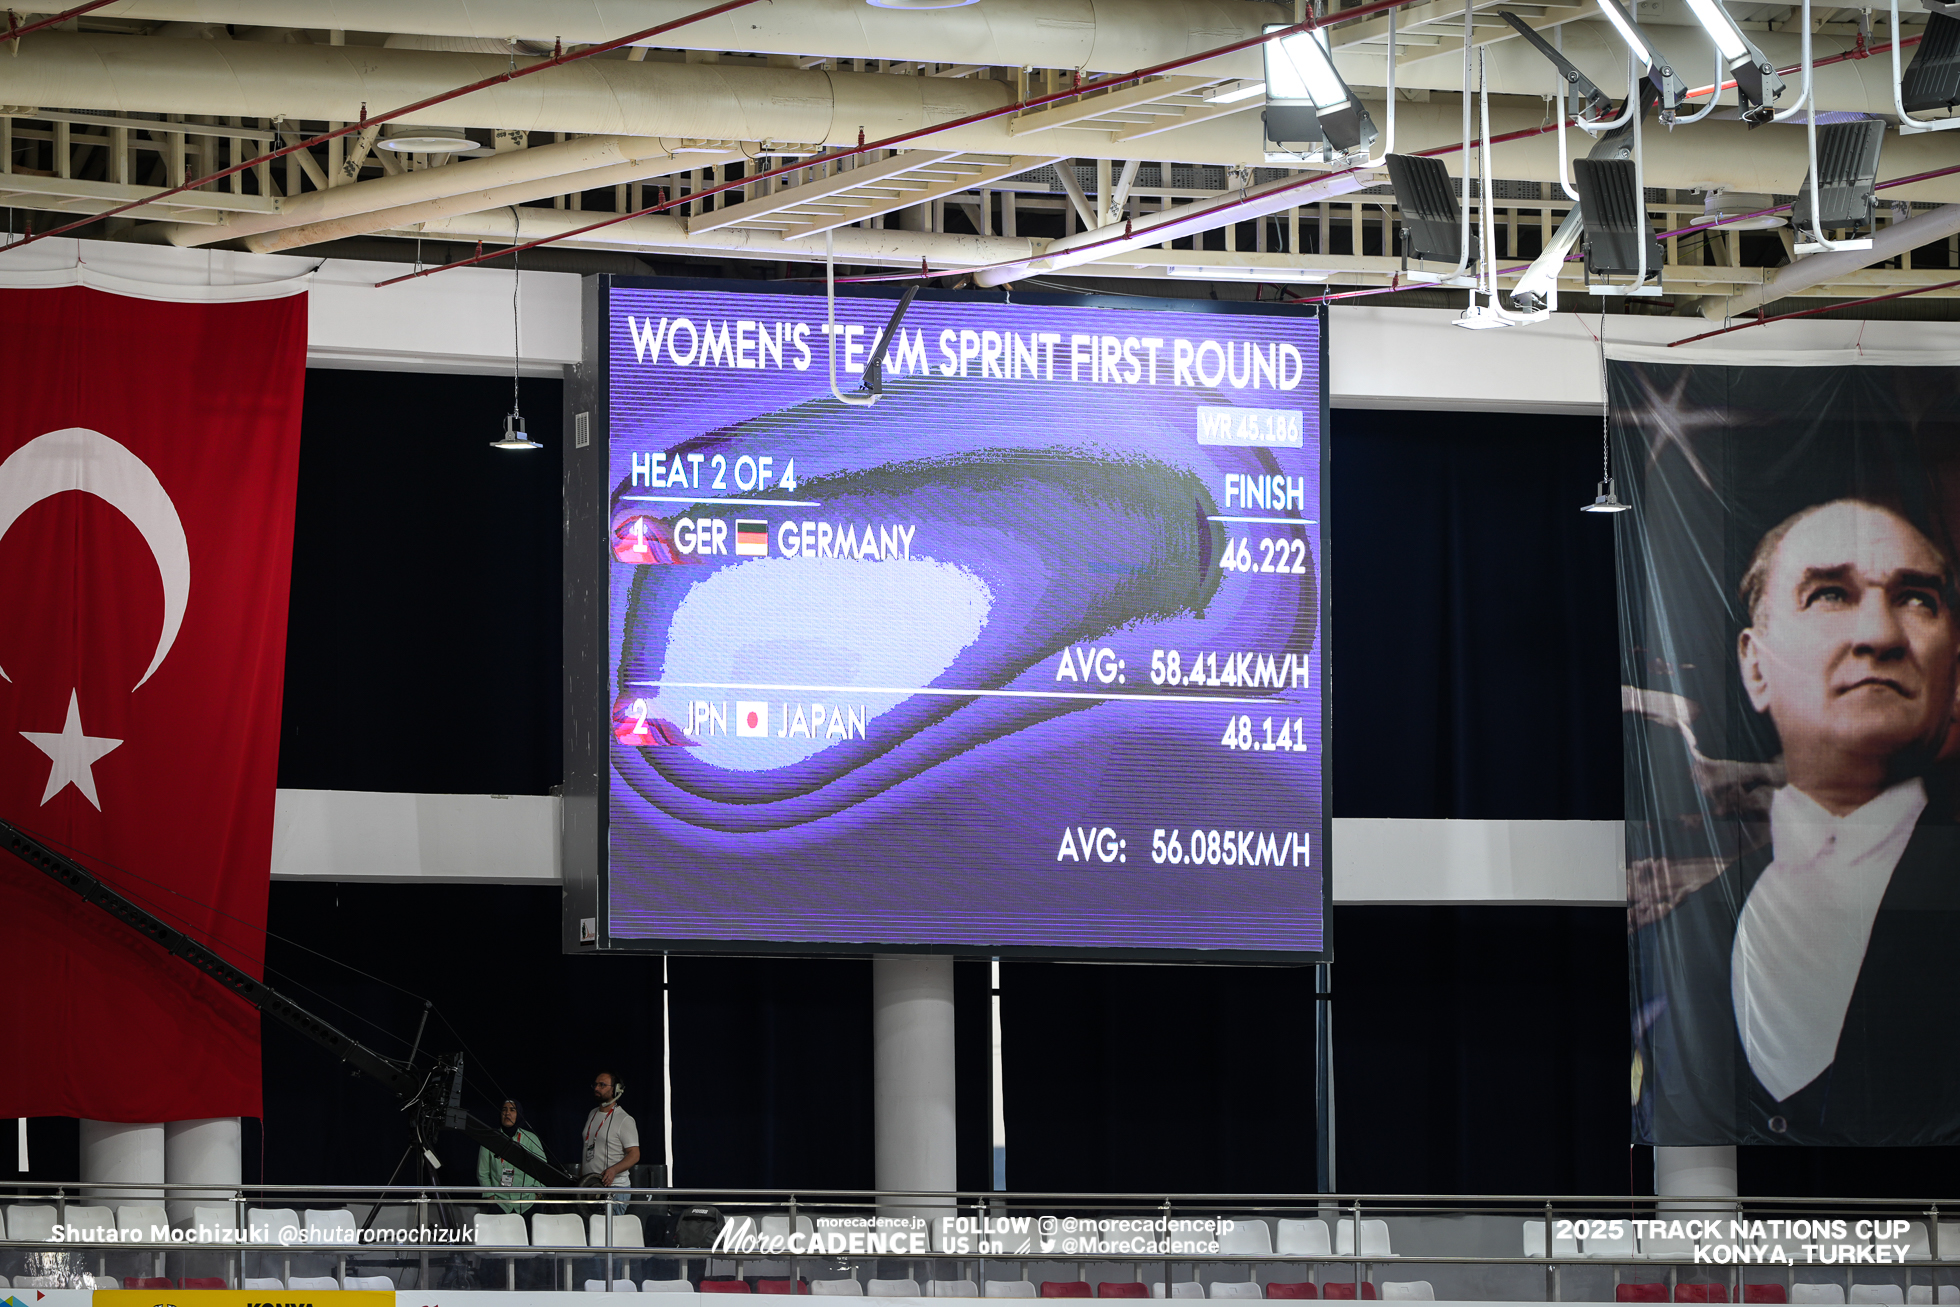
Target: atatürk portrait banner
1790,642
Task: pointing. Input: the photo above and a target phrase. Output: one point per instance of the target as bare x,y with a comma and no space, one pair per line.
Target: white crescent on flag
76,458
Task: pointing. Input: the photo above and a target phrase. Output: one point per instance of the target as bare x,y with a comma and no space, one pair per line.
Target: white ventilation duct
543,170
1098,35
1818,269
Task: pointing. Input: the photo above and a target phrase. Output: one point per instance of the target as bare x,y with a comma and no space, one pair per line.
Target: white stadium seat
274,1225
334,1226
501,1230
1534,1242
263,1283
619,1286
96,1224
1408,1291
626,1232
30,1224
1012,1289
141,1221
214,1224
316,1283
1923,1293
557,1230
380,1282
952,1289
892,1289
1237,1289
1816,1295
1374,1239
1181,1289
666,1286
1307,1238
837,1288
1248,1237
1878,1295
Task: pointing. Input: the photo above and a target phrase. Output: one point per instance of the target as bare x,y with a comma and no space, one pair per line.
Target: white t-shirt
608,1134
1801,941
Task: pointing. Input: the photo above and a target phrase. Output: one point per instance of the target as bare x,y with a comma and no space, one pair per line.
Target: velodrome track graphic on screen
1008,658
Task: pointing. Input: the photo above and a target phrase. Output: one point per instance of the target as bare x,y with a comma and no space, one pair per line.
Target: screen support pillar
123,1152
912,1079
1323,1077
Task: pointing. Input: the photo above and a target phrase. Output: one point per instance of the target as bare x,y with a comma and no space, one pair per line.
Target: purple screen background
1050,520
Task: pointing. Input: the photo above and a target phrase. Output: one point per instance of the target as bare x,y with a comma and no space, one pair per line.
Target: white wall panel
497,839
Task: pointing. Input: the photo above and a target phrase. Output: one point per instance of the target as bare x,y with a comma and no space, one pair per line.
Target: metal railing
1491,1247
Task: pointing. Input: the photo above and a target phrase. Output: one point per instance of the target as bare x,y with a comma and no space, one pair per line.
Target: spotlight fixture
1432,221
1756,82
1300,74
1661,73
1606,501
1847,160
1614,214
1932,79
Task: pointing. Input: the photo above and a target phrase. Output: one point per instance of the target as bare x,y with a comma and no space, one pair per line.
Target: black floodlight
1615,216
1932,79
1597,103
1432,223
1756,81
1300,72
1673,90
1293,124
1847,160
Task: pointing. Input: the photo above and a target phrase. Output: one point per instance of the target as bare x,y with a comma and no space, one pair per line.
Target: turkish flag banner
149,456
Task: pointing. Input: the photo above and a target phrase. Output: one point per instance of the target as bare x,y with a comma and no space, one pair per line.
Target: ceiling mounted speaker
1430,217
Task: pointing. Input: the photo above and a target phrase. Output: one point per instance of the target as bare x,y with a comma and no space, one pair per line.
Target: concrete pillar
912,1077
120,1152
206,1151
1700,1172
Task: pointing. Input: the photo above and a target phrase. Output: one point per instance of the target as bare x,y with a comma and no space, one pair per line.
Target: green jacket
492,1170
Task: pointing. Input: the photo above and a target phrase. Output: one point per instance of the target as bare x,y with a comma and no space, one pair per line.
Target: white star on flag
71,754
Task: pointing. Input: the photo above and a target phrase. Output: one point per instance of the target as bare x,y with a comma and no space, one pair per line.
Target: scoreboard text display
1025,655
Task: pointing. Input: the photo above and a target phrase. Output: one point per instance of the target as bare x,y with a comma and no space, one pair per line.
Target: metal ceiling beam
828,192
960,175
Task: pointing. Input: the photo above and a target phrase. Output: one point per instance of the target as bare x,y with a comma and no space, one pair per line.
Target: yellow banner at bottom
243,1298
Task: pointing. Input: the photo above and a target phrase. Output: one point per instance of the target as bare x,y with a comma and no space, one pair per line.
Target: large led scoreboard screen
1025,654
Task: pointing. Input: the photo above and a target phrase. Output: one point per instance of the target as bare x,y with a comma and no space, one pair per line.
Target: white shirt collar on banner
1801,940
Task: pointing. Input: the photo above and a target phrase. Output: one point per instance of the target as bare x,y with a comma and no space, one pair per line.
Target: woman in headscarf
493,1172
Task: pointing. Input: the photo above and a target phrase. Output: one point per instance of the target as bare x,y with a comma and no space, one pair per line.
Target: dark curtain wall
1475,668
423,648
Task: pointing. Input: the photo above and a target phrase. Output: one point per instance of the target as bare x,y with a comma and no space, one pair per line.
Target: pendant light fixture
1606,501
514,436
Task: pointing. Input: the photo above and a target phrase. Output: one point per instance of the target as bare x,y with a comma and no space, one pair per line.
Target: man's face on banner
1852,648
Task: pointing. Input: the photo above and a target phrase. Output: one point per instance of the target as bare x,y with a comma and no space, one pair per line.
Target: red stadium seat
782,1286
151,1282
203,1282
1122,1289
1701,1293
1640,1293
1347,1291
1771,1293
1065,1289
724,1286
1292,1291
